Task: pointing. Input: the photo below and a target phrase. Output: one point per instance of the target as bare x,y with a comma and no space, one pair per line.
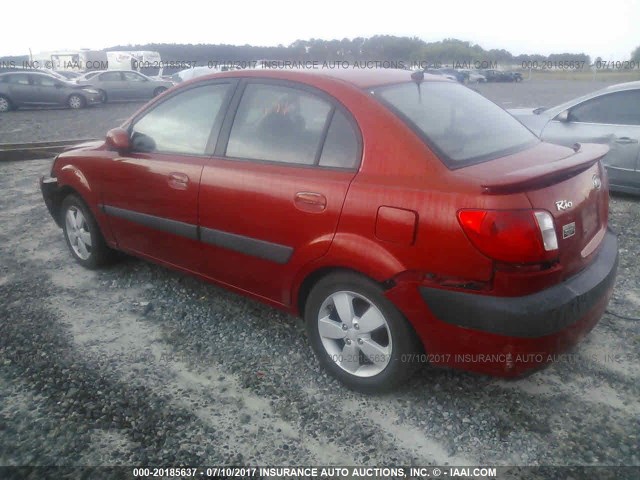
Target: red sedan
406,217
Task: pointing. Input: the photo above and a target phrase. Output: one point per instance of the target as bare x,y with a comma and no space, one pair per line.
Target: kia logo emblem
564,204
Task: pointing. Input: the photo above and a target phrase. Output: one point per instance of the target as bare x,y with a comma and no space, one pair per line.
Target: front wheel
103,96
358,335
76,101
158,91
83,235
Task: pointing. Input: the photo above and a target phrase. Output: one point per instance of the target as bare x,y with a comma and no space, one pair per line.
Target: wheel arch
345,255
314,277
63,192
71,180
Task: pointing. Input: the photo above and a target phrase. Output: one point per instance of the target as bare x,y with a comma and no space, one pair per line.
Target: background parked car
68,74
610,116
189,73
496,76
460,75
501,76
195,72
474,76
514,76
125,85
86,76
440,73
19,89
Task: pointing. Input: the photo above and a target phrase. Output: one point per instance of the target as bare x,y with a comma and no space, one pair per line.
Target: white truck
70,60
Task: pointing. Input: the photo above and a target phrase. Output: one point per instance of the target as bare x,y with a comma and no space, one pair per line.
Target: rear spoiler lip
545,174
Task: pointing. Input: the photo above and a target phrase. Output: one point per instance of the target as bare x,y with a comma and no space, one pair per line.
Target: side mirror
118,139
563,116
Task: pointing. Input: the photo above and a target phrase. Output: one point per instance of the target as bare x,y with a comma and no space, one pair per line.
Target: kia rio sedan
404,216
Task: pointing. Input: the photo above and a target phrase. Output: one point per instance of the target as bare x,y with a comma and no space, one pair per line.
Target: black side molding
531,316
157,223
249,246
254,247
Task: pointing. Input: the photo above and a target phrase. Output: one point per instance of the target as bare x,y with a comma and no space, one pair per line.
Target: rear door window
279,124
110,77
44,81
341,148
133,77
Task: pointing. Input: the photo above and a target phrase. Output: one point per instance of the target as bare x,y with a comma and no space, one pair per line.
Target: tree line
376,48
379,47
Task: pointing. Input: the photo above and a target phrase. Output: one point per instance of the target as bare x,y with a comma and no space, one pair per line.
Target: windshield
461,125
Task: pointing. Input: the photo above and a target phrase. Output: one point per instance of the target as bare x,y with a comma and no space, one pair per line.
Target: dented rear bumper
509,336
531,316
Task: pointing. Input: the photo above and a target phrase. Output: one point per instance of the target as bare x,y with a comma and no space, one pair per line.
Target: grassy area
608,76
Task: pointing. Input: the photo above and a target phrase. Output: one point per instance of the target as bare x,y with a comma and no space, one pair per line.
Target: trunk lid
568,183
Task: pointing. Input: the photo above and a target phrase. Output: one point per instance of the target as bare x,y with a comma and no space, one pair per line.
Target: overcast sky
610,29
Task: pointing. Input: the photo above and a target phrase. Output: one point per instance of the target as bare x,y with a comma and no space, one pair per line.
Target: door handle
626,140
178,180
310,202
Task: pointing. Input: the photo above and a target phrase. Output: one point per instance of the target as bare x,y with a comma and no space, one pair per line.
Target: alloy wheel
355,334
78,232
75,101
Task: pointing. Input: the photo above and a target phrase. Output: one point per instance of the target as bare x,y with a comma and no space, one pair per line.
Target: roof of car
624,86
359,77
30,72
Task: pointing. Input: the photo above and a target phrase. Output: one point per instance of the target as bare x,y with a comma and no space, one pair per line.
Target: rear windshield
462,126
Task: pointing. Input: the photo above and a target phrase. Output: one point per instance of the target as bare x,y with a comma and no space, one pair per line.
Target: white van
70,60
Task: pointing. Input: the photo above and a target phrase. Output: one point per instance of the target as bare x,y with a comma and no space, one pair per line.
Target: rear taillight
514,236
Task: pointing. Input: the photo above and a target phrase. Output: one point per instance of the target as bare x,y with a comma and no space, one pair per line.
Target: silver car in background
474,76
20,89
610,116
125,85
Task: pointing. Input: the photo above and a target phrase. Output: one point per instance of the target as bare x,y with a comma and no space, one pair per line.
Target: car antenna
418,77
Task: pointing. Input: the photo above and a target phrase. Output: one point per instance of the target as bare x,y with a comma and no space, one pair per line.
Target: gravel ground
33,125
138,365
538,93
23,126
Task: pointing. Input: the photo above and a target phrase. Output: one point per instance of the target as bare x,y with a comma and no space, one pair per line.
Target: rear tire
82,234
76,101
358,335
5,104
